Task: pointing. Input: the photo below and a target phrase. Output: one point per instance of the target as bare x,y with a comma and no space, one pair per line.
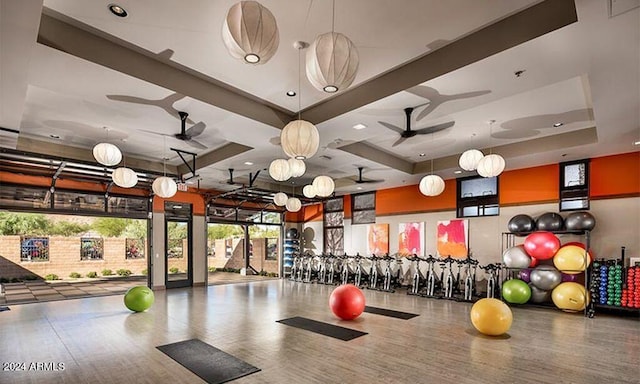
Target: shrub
3,280
272,274
212,269
123,272
107,272
174,270
144,272
75,275
92,275
30,277
15,280
262,273
52,276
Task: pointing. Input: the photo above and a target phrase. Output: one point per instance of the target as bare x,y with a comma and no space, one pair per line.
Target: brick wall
64,258
258,261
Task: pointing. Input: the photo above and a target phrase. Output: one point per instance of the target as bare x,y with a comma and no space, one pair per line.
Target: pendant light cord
333,18
299,87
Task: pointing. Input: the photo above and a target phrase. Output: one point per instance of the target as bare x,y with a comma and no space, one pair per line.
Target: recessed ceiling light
558,124
176,206
54,136
637,143
422,155
248,163
118,10
359,188
359,126
457,172
291,93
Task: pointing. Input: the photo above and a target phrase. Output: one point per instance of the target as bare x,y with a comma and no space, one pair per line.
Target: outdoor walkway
39,290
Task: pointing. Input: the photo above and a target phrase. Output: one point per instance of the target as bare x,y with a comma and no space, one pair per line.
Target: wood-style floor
100,341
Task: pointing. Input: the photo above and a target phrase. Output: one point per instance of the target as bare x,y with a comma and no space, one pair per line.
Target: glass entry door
178,255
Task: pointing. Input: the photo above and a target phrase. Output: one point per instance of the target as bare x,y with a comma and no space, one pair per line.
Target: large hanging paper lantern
491,165
293,204
469,159
300,139
250,32
280,199
297,167
332,62
279,170
323,186
124,177
431,185
308,191
164,187
107,154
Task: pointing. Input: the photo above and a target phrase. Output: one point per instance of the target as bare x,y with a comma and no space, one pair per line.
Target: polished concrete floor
99,341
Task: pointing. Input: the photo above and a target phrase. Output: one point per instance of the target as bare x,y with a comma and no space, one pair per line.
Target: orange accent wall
348,212
295,217
313,213
530,185
197,200
615,175
409,199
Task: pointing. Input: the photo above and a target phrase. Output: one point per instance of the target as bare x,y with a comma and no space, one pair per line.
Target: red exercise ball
347,302
542,245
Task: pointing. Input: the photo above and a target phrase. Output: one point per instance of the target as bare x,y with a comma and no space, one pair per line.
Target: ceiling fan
185,134
346,181
408,132
166,103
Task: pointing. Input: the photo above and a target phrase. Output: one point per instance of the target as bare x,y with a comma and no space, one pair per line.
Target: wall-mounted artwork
411,239
378,239
453,238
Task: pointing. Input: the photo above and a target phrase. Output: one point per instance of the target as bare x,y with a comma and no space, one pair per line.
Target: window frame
481,202
326,228
368,209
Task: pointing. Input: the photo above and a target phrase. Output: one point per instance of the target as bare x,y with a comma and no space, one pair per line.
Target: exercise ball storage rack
509,240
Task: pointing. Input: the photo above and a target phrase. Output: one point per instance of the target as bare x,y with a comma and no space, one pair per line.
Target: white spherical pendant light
124,177
469,159
250,32
332,62
164,187
308,191
279,170
280,199
431,185
107,154
323,186
300,139
293,204
297,167
491,165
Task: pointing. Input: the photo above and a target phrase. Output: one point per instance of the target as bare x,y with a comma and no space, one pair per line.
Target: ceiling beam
509,32
78,39
377,155
226,151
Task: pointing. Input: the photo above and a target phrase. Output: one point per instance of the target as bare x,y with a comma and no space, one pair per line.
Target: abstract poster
411,239
378,239
453,238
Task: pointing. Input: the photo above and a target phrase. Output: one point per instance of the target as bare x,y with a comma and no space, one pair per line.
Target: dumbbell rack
615,287
509,240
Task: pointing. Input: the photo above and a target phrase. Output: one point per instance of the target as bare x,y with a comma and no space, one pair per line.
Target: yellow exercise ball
571,259
570,296
491,317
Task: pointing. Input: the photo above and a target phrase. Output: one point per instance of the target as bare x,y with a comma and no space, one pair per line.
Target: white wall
157,260
199,250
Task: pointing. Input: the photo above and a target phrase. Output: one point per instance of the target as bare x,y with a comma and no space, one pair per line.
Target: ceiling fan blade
196,129
154,133
434,128
399,141
368,181
195,144
392,127
130,99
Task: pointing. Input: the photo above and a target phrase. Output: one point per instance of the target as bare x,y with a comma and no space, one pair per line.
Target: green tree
135,229
66,228
110,226
23,224
264,231
224,231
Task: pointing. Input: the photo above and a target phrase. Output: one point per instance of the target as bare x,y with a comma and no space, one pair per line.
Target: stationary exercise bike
448,281
417,279
361,272
431,278
493,286
391,278
469,265
375,272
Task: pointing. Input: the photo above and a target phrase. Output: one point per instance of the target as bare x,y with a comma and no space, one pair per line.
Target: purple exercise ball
525,275
569,278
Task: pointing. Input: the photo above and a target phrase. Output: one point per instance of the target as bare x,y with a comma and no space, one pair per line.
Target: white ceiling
585,75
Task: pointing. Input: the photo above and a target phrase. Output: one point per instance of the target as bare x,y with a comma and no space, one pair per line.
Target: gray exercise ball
521,223
545,277
516,257
538,295
550,221
580,221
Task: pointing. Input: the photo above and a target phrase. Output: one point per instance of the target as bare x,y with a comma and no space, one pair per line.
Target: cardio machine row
386,273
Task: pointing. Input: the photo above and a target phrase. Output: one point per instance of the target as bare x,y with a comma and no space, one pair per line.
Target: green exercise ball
516,291
139,298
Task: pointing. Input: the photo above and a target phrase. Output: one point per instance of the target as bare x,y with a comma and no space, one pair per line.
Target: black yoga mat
390,313
326,329
209,363
4,308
